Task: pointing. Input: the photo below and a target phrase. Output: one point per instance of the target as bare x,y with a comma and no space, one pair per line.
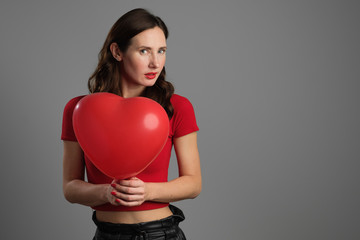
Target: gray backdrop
275,86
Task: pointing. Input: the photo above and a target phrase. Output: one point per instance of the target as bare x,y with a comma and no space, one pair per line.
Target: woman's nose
154,61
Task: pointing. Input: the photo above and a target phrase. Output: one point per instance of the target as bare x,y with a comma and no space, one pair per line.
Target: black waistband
157,225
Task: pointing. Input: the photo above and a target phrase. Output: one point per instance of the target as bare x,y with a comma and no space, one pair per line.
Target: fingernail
113,185
113,193
117,200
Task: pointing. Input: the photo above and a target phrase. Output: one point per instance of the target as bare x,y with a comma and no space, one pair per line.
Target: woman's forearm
184,187
188,184
81,192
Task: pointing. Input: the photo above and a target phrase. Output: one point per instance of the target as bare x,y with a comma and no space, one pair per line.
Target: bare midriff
131,217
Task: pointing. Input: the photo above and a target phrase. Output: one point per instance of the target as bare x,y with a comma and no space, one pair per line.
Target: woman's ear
115,51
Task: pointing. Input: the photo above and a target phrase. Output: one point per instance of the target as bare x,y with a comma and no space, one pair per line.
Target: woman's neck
128,91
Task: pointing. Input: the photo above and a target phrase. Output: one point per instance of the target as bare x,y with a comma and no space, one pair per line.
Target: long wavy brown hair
107,75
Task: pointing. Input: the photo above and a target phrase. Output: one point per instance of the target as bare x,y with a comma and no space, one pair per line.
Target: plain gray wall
275,86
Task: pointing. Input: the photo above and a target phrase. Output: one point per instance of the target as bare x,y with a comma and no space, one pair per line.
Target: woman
131,64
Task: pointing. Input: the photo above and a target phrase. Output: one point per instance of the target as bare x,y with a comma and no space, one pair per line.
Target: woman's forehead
153,37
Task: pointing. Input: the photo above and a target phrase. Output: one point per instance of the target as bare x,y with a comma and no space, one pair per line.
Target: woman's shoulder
67,127
177,99
184,120
70,105
181,103
73,101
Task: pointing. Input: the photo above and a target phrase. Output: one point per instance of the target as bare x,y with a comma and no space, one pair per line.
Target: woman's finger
131,190
128,204
132,182
129,197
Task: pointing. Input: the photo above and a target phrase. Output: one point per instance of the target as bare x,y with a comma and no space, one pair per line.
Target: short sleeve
184,121
67,132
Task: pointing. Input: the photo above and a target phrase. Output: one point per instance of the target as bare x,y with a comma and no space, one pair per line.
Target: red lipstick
150,75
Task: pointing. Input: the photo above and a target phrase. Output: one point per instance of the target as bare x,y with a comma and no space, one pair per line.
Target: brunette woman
132,64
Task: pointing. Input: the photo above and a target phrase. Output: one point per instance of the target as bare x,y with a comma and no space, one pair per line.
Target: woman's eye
162,51
143,51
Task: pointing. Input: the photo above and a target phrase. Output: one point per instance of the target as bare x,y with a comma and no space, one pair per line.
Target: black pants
163,229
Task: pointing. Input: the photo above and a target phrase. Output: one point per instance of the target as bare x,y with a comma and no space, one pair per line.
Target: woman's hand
130,192
133,191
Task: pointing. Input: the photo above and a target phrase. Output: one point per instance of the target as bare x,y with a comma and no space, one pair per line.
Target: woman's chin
149,83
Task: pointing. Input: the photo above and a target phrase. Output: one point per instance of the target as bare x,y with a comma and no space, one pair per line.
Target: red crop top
183,122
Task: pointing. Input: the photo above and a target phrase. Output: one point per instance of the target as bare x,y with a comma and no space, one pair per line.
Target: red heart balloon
121,136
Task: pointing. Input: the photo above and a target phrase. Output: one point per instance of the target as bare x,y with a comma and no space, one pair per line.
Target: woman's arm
76,190
134,192
188,184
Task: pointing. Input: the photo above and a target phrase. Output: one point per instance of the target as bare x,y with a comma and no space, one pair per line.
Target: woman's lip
150,75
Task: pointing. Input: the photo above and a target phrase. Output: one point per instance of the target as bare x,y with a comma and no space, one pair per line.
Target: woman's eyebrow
146,47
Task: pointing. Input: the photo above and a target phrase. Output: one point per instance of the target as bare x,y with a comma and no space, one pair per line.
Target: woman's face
144,59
